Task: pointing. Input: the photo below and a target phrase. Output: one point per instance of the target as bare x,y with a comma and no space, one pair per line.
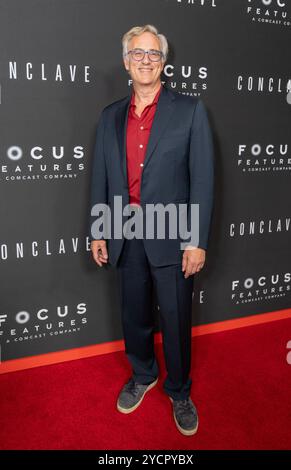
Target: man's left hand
193,260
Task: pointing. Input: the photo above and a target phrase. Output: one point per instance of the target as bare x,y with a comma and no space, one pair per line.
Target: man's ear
125,61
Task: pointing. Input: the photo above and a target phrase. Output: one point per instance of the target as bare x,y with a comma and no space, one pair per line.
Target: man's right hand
99,251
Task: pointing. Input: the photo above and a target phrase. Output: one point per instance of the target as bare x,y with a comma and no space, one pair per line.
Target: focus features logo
265,287
271,12
186,79
27,325
258,158
42,163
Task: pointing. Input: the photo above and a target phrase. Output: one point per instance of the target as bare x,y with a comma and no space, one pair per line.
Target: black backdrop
60,64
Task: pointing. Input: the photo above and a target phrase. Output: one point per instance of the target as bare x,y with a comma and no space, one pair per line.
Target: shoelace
185,407
132,387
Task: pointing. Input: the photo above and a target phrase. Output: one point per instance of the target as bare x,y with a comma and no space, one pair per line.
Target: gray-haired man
154,146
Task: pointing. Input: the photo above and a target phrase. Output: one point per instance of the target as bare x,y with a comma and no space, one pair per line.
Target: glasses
153,54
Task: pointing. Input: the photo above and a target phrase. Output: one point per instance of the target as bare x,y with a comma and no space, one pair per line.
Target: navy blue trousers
137,279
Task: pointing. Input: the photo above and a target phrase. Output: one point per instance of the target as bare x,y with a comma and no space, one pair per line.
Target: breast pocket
175,134
174,142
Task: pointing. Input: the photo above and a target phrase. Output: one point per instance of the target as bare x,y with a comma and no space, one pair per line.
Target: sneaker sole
129,410
186,432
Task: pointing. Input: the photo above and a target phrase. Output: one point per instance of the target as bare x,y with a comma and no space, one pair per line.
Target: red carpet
241,387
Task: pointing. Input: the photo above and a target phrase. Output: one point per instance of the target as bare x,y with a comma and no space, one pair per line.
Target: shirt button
141,127
141,146
141,164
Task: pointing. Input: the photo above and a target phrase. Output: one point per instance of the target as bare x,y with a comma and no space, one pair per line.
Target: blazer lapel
164,110
121,124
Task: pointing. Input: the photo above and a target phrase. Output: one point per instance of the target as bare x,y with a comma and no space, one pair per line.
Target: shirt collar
155,100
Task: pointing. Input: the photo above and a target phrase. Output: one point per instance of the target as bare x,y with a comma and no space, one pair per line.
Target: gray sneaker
185,416
132,395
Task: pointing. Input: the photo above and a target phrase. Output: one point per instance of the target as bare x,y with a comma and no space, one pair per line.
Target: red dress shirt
137,136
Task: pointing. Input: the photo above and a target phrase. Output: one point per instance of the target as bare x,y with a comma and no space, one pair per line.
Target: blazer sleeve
201,171
99,185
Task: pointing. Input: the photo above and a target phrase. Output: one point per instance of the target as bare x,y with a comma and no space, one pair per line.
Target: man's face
144,72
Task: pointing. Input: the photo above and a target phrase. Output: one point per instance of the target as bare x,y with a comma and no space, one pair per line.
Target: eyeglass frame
146,52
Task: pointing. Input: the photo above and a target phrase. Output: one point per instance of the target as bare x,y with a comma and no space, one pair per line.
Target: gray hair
137,30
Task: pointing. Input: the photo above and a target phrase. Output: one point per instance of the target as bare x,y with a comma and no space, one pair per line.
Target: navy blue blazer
178,168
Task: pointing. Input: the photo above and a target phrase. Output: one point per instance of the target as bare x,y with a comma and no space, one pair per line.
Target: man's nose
146,59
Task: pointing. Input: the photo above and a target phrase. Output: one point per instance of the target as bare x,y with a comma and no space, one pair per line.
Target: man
153,146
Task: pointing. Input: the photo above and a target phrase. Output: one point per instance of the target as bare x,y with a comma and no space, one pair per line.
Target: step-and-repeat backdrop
60,64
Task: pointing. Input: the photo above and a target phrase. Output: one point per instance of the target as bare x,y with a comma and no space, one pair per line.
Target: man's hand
193,260
99,251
